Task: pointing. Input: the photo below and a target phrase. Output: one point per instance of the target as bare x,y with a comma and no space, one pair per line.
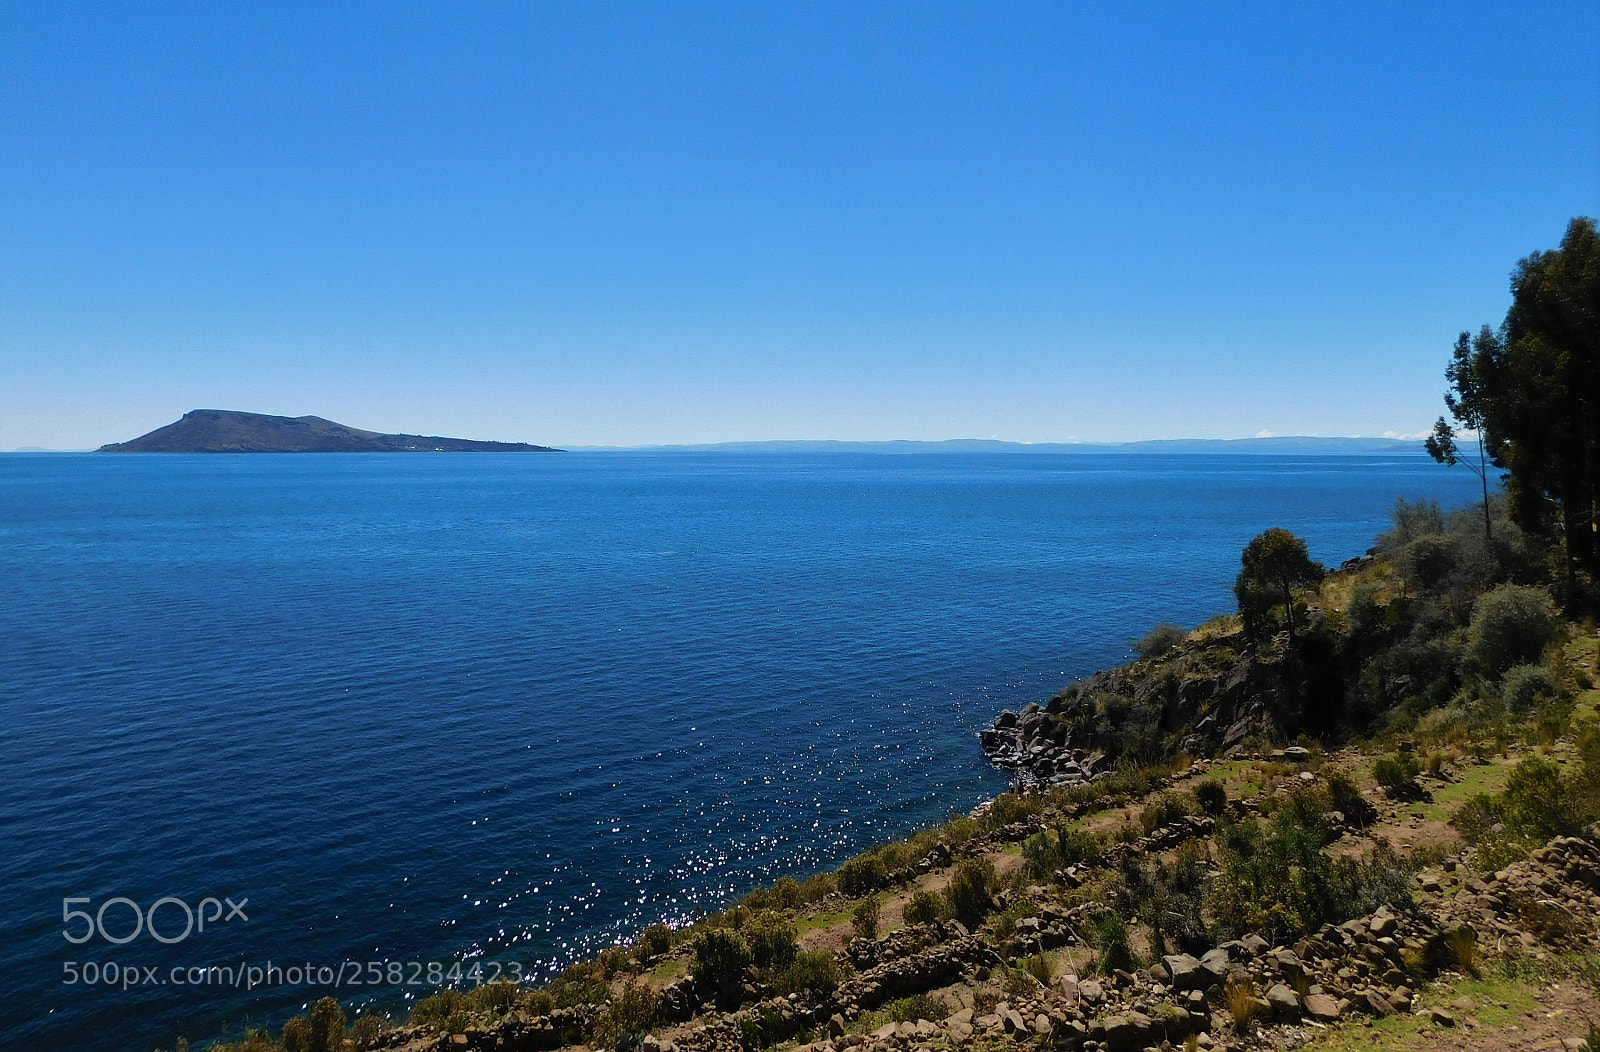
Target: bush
627,1017
970,889
500,996
785,894
1397,773
1164,810
772,941
1277,881
656,939
925,907
439,1011
1056,849
1159,640
1524,687
1428,560
720,959
862,874
813,972
368,1031
1511,625
864,918
817,887
1212,798
911,1009
1108,933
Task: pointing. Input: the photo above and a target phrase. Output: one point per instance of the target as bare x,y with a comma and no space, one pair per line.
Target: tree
1273,565
1465,403
1533,391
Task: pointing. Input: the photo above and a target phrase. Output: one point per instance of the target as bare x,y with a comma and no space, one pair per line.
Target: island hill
224,431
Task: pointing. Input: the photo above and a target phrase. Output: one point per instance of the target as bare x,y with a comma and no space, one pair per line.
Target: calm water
502,707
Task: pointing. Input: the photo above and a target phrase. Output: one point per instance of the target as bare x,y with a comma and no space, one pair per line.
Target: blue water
504,707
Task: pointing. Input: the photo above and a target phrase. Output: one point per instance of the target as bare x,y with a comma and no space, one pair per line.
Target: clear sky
663,222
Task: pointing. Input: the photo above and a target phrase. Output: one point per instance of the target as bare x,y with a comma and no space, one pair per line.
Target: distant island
225,431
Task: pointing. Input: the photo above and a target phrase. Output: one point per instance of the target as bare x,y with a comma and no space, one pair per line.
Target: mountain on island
224,431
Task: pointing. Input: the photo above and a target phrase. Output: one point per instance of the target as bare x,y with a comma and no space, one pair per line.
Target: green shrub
368,1031
925,907
627,1017
656,939
1427,560
1051,850
1511,625
1212,798
817,887
438,1011
1397,773
911,1009
539,1002
499,997
1524,687
1277,881
864,918
1164,810
771,939
785,894
862,874
814,972
1108,933
970,890
1159,640
720,958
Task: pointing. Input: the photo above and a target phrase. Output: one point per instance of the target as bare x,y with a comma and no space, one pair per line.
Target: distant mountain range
224,431
1276,444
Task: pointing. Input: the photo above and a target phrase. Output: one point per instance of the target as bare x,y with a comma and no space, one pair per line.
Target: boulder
1187,973
1216,963
1323,1007
1284,1001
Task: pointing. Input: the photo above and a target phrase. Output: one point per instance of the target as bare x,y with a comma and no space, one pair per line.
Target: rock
885,1032
836,1025
1439,1017
1158,973
1297,754
1124,1033
1069,986
1041,1025
1014,1023
1091,990
1216,963
1284,1001
1376,1003
1321,1006
1254,944
1186,972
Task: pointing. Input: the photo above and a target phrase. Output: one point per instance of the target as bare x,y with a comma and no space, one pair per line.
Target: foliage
1165,809
1540,802
1524,687
1397,773
1276,880
1108,933
628,1016
771,939
814,972
925,907
1510,626
911,1009
1240,997
1212,798
864,918
720,958
1273,564
1050,850
1159,640
656,939
785,894
970,890
1530,389
862,874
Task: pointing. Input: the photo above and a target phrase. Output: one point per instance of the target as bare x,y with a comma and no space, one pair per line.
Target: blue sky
647,223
